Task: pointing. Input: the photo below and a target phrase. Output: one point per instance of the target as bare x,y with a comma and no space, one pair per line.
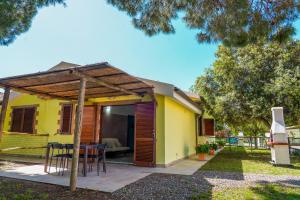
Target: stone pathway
223,180
162,186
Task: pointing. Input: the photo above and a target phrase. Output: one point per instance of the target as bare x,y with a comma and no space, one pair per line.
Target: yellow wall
47,117
160,130
47,113
180,131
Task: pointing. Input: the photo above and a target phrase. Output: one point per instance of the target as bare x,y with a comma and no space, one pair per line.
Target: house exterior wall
175,127
47,124
180,131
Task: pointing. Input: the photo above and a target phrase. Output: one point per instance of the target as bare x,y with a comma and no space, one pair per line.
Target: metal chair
101,155
58,156
66,156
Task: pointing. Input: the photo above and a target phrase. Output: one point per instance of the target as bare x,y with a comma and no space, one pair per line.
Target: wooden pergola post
4,109
77,134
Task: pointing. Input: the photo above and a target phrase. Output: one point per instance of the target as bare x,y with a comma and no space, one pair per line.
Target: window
209,126
23,119
66,118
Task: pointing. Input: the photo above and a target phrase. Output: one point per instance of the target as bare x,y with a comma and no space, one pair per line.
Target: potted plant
212,148
201,150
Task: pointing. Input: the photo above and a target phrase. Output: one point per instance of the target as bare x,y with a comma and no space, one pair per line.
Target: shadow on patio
117,176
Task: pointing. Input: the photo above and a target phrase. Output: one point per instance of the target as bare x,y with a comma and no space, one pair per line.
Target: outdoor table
85,147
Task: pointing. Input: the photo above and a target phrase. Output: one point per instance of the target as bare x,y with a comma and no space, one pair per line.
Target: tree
235,23
16,17
245,83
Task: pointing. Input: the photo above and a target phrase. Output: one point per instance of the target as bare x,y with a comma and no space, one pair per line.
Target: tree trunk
255,142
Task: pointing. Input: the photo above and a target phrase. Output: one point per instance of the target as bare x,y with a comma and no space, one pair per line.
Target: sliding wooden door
144,153
88,125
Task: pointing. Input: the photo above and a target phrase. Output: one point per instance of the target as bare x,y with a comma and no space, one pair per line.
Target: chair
60,151
101,155
66,156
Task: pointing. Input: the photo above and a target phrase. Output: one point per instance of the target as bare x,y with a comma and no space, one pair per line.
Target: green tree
245,83
16,16
235,23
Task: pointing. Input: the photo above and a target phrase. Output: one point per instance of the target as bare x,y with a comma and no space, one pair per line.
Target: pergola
76,83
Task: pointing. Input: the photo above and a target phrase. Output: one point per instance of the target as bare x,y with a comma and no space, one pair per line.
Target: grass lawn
240,159
260,191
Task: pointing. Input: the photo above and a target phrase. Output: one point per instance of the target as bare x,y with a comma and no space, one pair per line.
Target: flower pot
201,156
211,152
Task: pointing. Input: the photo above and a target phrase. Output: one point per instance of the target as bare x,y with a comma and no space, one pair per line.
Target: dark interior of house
118,132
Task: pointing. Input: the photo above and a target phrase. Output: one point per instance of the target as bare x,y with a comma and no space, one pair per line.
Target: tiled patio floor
117,176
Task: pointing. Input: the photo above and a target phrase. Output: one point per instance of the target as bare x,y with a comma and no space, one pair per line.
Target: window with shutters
23,119
66,118
209,126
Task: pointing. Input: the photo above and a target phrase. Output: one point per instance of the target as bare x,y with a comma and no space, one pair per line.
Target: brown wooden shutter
209,127
28,121
66,119
17,117
88,125
144,154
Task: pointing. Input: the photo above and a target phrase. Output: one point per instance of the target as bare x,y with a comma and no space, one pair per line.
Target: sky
91,31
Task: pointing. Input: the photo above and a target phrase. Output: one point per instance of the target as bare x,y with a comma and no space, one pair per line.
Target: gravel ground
9,188
155,186
162,186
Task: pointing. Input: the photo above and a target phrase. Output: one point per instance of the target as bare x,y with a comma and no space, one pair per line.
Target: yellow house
145,122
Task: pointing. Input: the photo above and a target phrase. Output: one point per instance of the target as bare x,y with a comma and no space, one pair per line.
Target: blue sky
90,31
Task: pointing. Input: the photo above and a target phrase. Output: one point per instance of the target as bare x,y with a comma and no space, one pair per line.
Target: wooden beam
119,103
100,82
4,109
112,94
52,84
93,87
77,134
60,83
40,94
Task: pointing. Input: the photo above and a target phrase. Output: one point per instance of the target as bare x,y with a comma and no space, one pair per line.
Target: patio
117,176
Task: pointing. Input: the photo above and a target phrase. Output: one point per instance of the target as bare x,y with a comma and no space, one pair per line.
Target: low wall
24,140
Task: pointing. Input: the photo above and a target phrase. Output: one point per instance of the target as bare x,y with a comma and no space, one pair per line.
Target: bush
213,146
203,148
221,143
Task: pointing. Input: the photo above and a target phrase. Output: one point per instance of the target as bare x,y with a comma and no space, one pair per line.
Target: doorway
118,132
